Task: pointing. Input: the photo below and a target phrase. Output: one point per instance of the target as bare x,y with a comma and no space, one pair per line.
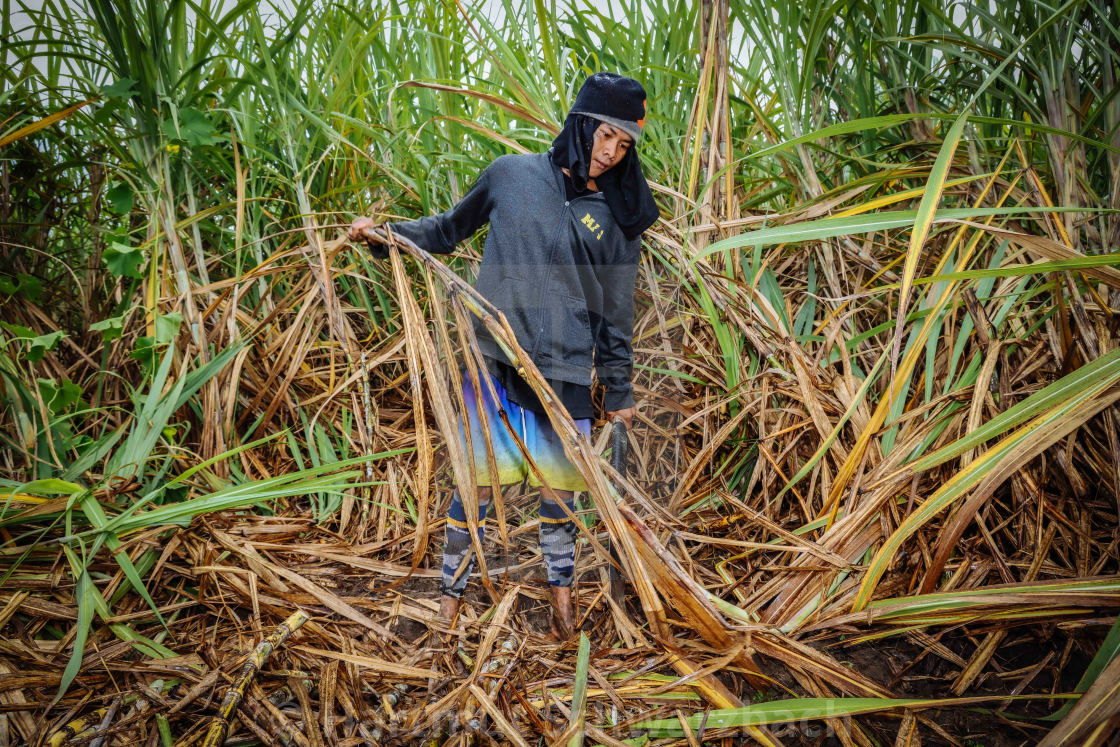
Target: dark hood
624,186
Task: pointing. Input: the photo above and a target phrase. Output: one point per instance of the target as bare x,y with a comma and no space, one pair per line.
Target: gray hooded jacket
561,271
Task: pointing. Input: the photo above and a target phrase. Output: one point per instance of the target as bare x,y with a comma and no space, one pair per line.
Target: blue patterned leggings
556,534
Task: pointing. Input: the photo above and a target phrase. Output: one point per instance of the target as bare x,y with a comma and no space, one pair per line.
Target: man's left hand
626,416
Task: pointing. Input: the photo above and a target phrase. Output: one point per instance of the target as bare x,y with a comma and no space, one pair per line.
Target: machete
620,446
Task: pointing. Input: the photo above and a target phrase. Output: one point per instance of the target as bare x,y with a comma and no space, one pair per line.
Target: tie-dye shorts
535,429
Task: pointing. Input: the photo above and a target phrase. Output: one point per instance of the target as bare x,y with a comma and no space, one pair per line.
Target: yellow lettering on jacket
588,221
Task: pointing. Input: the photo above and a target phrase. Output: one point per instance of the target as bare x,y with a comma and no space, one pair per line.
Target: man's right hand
357,226
356,235
626,415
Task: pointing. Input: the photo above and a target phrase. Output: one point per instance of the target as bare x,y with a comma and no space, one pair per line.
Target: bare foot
448,610
563,625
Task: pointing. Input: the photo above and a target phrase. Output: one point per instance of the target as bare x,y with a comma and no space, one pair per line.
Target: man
559,261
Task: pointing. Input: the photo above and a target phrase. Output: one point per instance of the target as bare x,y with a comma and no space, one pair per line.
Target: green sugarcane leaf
245,494
164,729
1104,656
1104,368
991,467
799,709
840,128
579,691
923,219
1037,268
826,228
141,643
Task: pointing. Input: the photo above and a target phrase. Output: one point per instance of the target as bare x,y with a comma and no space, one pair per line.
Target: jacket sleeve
439,234
614,359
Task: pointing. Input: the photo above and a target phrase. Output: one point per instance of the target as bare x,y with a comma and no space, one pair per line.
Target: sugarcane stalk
367,408
578,715
84,727
79,728
219,729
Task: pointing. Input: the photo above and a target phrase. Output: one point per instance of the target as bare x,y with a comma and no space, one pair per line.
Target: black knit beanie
614,99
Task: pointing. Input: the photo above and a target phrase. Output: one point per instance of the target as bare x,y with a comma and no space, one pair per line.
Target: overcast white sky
491,9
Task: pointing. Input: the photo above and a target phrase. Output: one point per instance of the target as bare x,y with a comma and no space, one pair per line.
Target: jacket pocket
573,343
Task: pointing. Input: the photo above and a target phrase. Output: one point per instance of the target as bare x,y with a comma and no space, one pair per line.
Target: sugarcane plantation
612,373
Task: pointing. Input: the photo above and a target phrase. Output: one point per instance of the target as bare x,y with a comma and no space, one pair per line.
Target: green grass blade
96,515
84,593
